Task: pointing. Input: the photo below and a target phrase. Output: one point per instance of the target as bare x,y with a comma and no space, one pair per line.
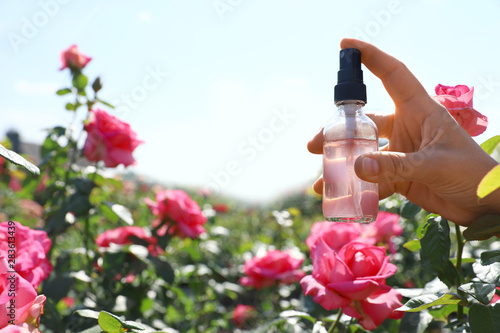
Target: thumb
390,167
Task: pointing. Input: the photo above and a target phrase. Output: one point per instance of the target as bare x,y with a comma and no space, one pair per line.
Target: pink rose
221,208
335,235
242,314
73,59
275,266
31,247
109,139
352,277
15,184
383,229
30,320
121,236
372,311
495,298
20,310
31,208
21,328
458,101
68,301
457,91
181,214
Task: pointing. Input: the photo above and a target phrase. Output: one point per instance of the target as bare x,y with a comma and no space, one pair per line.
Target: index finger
399,82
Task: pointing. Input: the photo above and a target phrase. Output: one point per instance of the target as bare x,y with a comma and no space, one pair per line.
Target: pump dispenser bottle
350,133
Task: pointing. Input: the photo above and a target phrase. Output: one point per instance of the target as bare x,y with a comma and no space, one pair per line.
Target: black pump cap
350,84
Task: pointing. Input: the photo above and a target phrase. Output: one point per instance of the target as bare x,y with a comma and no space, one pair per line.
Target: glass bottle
350,133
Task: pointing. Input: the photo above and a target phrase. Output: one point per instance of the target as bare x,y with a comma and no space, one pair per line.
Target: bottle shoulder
343,126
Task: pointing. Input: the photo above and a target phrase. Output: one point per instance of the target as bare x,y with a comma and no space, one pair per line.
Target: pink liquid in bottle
346,198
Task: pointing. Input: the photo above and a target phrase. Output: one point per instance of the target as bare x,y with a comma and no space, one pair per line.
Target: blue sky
227,93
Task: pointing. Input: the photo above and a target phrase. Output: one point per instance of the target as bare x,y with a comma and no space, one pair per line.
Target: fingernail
370,166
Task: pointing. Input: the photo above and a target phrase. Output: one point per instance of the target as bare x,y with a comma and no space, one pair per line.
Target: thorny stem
87,236
339,314
460,248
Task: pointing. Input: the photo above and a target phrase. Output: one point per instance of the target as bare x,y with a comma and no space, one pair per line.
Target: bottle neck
351,107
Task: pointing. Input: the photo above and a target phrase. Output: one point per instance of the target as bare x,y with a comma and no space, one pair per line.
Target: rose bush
109,139
31,251
458,101
176,212
274,267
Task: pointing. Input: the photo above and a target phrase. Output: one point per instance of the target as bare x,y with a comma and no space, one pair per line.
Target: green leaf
464,261
109,323
103,181
94,329
18,160
483,228
57,287
70,107
449,274
265,328
490,145
483,292
79,204
489,273
83,185
292,313
415,322
121,212
408,209
133,325
484,319
443,312
113,261
436,244
80,81
423,302
422,228
64,91
50,145
489,257
489,183
164,270
412,245
108,213
105,103
87,313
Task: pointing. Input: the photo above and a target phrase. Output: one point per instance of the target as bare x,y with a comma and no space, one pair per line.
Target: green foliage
484,319
408,209
423,302
490,145
483,292
489,183
18,160
435,250
483,228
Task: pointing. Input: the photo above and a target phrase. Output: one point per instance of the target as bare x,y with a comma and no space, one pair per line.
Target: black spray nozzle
350,84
